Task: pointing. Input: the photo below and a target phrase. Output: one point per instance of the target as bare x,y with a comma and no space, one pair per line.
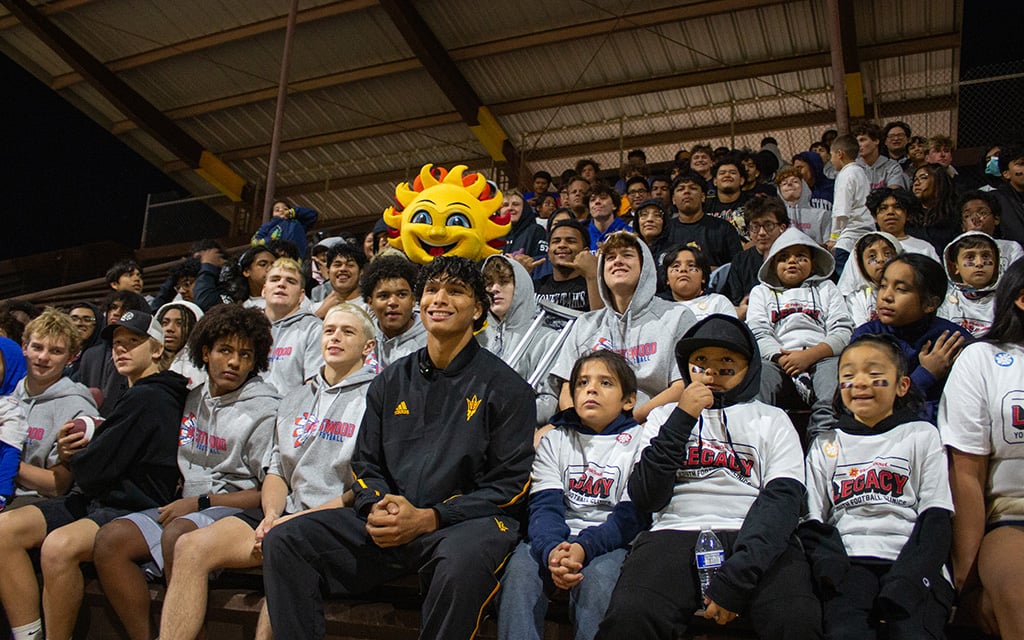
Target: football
86,425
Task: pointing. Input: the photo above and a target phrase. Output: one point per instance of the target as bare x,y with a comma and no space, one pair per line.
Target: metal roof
564,80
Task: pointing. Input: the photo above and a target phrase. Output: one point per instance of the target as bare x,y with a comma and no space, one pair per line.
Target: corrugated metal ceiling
535,62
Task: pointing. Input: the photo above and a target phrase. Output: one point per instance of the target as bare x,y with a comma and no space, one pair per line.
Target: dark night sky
66,181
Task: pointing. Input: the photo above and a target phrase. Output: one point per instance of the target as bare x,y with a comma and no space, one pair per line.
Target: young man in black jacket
442,465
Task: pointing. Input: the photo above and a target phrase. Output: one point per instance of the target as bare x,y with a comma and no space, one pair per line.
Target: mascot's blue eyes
457,220
421,217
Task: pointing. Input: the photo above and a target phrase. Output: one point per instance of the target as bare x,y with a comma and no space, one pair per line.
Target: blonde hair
364,318
289,264
52,323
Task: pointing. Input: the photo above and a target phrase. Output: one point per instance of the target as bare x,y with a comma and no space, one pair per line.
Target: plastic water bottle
710,556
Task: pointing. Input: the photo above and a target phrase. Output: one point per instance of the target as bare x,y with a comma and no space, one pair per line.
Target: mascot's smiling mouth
436,250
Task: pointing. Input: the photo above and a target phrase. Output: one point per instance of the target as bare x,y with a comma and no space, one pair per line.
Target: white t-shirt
982,413
722,479
591,470
872,487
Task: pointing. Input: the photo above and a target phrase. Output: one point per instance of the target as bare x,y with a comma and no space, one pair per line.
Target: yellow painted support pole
855,94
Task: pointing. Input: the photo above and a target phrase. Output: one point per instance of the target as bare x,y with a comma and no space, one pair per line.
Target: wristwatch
204,501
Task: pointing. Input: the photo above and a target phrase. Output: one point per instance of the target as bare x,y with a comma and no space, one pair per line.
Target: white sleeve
760,324
841,204
13,425
839,325
818,476
784,458
965,417
933,472
858,306
547,472
721,304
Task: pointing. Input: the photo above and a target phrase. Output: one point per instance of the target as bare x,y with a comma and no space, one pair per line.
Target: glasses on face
721,371
636,192
757,227
83,319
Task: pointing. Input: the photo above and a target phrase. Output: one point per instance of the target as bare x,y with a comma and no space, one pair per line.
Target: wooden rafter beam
434,57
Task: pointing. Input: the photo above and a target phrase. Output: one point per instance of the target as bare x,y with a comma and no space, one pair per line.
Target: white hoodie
972,309
798,317
860,293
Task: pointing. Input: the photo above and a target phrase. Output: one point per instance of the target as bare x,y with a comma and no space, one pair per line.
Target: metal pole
282,94
838,69
145,222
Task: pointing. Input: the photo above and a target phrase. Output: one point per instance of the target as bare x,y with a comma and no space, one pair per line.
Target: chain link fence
990,105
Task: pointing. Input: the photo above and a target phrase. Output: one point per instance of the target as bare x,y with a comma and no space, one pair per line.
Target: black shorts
62,511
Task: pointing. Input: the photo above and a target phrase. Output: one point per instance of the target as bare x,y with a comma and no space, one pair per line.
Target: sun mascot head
444,213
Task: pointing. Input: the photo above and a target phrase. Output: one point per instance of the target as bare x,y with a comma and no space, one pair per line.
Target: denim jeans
524,595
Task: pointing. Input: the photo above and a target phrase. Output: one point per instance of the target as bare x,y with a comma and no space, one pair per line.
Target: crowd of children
314,417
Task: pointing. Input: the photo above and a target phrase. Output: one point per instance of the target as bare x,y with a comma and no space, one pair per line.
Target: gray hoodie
802,316
813,221
225,441
505,337
645,333
387,350
315,438
295,355
46,414
973,309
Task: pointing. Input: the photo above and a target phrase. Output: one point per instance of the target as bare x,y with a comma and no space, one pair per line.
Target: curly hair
904,200
232,320
456,269
388,267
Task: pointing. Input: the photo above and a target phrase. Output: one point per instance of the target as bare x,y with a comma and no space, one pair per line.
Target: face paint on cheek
722,372
845,385
879,383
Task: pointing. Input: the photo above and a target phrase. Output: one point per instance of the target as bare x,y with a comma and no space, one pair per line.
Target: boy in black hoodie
130,464
718,459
